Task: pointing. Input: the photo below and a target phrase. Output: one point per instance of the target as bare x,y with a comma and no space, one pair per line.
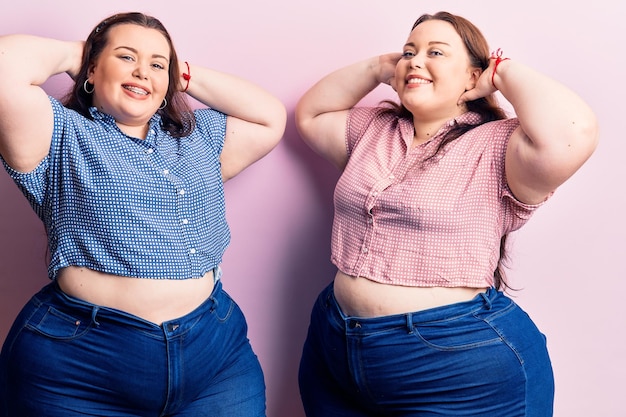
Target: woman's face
434,71
131,76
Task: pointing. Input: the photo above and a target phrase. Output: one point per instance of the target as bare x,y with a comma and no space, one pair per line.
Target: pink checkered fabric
404,219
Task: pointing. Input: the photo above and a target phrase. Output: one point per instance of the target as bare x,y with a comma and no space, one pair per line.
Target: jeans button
353,324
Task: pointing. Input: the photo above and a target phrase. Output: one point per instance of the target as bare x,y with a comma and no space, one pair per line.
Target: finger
467,96
392,83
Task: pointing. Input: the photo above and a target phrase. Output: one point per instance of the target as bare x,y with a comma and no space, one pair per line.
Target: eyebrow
136,51
429,43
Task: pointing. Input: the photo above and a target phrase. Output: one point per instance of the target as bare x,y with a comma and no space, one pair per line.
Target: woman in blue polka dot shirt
128,181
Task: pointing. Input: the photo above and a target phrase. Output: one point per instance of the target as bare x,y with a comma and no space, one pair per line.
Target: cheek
163,81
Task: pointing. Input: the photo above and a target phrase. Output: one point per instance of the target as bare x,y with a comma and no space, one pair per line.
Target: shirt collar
469,118
98,115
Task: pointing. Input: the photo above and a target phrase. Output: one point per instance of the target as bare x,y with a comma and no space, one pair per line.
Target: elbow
280,123
276,123
587,134
300,117
304,119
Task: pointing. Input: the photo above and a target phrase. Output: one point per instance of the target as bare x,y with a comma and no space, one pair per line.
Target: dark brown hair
487,107
176,117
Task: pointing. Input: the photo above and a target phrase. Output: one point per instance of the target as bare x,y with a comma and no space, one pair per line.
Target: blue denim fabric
483,357
64,358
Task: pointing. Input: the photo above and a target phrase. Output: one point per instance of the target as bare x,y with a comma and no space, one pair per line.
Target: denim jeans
483,357
64,358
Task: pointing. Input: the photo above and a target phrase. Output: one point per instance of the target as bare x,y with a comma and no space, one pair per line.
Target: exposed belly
155,300
361,297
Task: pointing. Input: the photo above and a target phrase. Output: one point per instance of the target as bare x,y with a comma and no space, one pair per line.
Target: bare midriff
362,297
154,300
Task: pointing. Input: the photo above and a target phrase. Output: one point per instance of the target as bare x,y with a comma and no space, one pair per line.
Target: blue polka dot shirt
146,208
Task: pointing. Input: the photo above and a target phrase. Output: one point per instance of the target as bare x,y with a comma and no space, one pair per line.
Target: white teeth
418,81
136,90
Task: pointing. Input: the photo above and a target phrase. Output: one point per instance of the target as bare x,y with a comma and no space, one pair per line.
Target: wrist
499,59
74,58
185,77
375,70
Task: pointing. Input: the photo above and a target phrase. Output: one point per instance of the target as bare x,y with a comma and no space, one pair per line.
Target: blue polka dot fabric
145,208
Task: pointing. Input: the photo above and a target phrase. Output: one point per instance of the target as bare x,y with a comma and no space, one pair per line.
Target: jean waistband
485,300
52,294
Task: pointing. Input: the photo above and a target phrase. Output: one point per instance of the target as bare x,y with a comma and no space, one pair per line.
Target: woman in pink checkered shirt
415,322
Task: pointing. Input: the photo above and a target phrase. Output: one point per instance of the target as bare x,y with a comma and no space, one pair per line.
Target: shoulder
494,134
380,119
497,128
365,115
210,128
66,115
208,117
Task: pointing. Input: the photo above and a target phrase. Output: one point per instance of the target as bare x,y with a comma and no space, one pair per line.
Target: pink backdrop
568,259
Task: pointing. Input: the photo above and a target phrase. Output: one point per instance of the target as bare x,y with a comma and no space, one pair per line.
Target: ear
90,70
474,75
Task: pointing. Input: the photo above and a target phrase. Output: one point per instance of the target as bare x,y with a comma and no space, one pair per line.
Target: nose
141,72
417,62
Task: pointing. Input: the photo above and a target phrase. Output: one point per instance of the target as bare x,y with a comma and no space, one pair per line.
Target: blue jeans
483,357
64,357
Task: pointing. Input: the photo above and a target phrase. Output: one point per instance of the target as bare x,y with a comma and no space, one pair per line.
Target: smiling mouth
136,90
418,81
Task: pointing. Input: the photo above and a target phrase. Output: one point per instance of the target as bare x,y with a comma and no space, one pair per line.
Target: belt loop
94,313
486,298
409,322
217,274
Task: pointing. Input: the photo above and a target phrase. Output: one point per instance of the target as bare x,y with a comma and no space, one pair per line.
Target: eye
408,54
436,52
158,66
127,58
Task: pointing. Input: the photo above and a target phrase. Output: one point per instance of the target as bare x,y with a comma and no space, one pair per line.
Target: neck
425,131
139,132
426,128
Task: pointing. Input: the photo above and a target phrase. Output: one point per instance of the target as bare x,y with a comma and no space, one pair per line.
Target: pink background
569,260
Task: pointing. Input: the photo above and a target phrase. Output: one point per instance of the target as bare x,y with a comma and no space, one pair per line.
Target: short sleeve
211,126
359,119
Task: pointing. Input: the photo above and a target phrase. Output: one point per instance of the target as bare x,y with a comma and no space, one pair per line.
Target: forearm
27,60
233,96
551,115
341,89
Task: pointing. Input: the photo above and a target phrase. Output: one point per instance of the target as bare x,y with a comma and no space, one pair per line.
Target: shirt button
166,171
370,221
149,151
364,250
192,251
375,193
181,192
185,221
392,176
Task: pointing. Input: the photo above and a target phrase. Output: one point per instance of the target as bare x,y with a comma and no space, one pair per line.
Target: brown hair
487,107
177,117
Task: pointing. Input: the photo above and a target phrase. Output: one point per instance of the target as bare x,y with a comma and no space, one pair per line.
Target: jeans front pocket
51,322
458,333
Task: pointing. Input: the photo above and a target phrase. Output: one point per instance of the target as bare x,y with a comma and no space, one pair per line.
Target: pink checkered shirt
404,220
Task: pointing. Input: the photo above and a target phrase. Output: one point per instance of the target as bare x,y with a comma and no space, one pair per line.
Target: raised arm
558,131
256,119
321,113
26,120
